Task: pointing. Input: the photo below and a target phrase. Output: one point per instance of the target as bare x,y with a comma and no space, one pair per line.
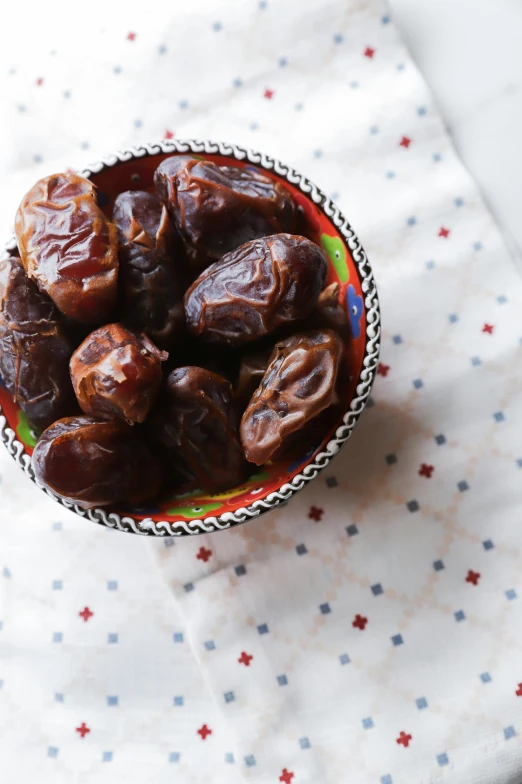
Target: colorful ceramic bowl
271,485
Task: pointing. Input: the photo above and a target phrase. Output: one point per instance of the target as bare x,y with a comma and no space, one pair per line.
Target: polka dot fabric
370,631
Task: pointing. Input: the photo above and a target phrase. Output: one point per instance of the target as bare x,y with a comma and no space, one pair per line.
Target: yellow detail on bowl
252,482
193,512
24,431
337,255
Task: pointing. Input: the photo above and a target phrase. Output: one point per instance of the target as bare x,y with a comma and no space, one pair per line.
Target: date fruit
96,463
300,383
149,271
255,289
197,422
329,313
116,373
251,371
34,349
218,208
68,246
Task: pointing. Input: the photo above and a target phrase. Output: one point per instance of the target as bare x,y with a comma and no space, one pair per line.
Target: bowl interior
137,174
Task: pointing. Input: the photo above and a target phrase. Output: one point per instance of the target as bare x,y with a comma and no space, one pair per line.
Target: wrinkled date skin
68,247
96,463
255,289
34,349
329,313
218,208
300,383
197,422
116,373
149,275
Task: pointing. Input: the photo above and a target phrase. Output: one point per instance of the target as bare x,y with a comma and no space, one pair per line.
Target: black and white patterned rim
371,355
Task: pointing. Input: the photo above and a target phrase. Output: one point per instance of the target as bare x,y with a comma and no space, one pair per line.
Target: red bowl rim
354,407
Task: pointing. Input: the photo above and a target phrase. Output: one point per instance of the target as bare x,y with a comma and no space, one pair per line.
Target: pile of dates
175,347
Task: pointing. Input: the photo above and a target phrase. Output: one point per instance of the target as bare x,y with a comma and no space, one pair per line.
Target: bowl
274,484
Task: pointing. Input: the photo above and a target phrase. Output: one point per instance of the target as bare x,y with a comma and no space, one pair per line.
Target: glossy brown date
197,422
68,247
255,289
218,208
96,463
116,373
329,313
34,349
300,383
149,270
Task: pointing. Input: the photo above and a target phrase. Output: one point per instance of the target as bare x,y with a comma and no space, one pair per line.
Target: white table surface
57,568
469,52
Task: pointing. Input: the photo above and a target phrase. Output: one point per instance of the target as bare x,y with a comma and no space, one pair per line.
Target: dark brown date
116,373
329,313
96,463
251,371
68,247
34,349
300,383
197,422
255,289
218,208
149,271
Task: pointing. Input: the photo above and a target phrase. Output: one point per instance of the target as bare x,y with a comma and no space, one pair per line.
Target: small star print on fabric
86,614
426,470
403,739
131,37
204,732
315,513
488,329
286,776
359,622
168,134
268,94
369,52
203,554
82,730
245,659
472,577
444,232
383,369
39,82
519,690
405,142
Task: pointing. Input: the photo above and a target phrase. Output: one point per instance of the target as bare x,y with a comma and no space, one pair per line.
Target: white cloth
412,534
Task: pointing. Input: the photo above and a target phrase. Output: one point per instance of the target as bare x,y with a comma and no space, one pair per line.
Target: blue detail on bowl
355,310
